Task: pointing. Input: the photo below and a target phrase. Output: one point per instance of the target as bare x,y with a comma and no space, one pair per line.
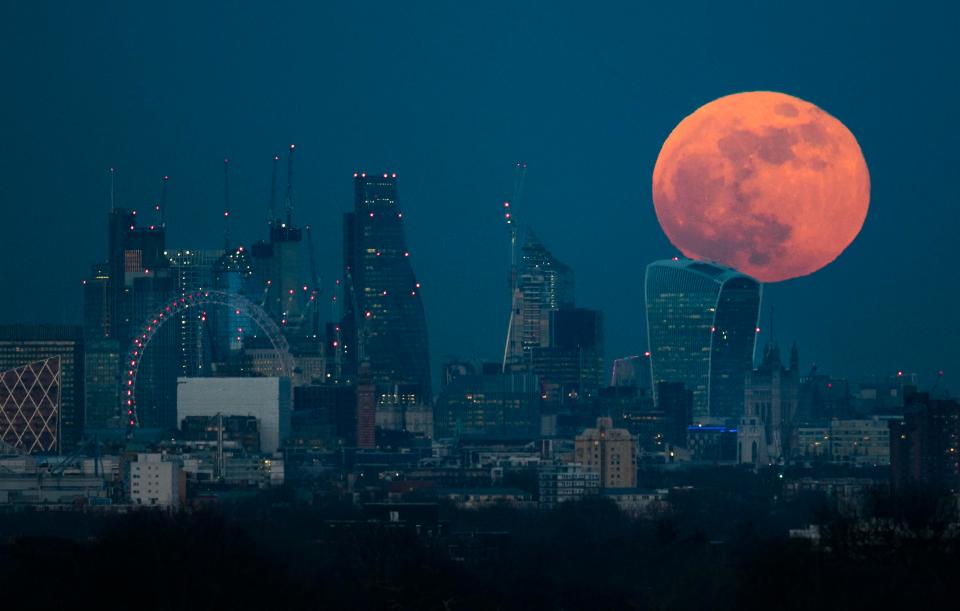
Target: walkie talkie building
702,330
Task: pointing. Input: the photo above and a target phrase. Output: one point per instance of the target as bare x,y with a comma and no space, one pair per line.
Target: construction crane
288,203
273,192
509,215
161,207
226,205
271,219
337,318
113,189
313,305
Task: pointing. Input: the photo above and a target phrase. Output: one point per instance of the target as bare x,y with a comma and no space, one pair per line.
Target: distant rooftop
714,271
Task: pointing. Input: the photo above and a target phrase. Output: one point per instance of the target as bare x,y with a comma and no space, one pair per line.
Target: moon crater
763,182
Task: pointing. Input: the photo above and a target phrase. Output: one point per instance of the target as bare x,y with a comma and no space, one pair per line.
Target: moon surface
763,182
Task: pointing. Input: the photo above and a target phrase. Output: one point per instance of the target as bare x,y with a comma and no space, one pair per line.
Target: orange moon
763,182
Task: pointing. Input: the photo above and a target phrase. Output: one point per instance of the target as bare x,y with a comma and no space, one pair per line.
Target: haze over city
468,306
450,97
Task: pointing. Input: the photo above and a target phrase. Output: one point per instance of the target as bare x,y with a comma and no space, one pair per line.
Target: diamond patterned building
30,406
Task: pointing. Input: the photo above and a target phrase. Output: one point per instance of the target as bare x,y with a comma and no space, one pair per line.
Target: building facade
771,396
925,445
155,482
489,406
385,324
266,399
610,452
701,327
543,285
30,406
23,344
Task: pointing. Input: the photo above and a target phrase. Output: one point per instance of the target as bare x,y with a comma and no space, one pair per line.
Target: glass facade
701,329
492,406
544,284
386,318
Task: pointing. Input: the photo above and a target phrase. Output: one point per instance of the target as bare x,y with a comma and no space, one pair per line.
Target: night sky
450,97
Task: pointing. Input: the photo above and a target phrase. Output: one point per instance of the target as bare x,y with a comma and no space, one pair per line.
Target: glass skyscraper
385,324
702,329
544,284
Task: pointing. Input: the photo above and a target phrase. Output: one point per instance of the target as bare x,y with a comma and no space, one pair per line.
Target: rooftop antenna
113,189
226,204
289,198
273,191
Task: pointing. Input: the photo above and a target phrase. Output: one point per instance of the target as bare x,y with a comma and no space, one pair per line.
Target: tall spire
794,358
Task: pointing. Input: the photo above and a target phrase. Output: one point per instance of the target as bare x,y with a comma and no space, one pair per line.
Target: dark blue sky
449,96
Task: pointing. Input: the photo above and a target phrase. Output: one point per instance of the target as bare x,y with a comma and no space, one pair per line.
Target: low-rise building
561,482
155,482
478,498
637,502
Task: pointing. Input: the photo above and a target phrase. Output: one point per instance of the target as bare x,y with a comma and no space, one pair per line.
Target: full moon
763,182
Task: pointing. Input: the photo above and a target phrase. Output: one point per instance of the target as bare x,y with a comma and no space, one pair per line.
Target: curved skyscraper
702,330
389,330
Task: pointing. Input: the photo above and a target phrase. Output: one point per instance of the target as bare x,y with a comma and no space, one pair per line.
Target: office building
24,344
266,399
30,406
857,442
543,284
632,371
925,445
569,361
701,328
385,324
489,406
193,271
609,451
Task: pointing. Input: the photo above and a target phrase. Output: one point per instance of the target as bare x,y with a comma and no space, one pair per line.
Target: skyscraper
701,329
193,270
133,253
101,351
544,284
97,297
385,324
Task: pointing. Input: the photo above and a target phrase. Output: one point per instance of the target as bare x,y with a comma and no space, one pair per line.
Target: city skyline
160,134
462,306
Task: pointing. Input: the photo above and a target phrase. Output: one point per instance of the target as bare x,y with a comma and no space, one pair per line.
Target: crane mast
509,216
